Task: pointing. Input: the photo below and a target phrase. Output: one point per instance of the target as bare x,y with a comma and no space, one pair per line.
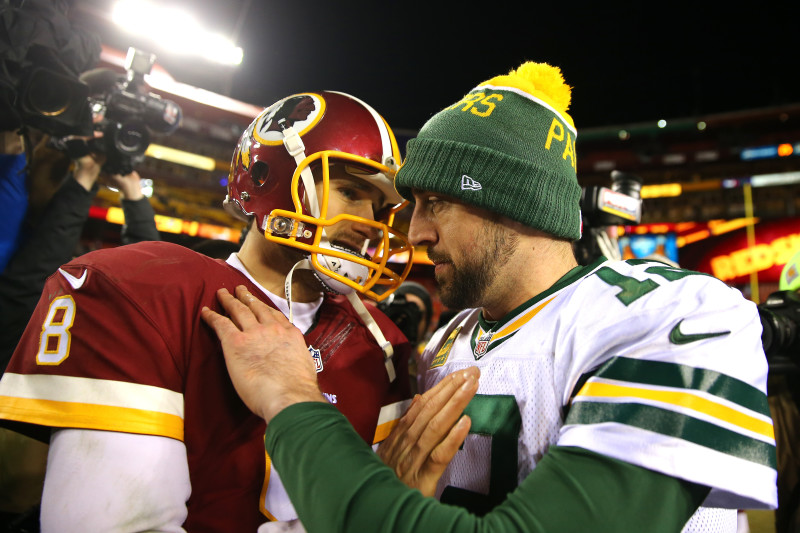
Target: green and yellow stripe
660,397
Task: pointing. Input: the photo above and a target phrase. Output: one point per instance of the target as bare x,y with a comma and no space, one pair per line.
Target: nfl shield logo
482,345
317,357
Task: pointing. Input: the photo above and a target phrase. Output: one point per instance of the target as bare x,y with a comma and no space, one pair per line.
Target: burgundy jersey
117,343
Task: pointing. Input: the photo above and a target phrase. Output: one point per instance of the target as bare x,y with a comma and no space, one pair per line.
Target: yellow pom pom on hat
507,146
540,80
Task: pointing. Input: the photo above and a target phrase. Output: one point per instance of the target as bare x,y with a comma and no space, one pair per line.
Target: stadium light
181,157
176,30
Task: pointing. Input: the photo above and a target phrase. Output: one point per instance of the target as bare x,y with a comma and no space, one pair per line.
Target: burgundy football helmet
271,179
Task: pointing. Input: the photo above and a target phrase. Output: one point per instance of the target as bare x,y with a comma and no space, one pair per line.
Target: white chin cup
348,269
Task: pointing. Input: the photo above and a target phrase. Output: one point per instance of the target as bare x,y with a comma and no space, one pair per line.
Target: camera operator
41,53
780,319
52,232
411,309
53,236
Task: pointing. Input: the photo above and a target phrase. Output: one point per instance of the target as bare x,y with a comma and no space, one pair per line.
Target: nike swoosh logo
676,336
75,283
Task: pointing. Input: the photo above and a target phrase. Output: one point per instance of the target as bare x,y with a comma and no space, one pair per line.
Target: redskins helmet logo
243,150
300,111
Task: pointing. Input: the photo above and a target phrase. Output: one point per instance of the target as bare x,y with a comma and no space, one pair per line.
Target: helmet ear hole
383,213
259,173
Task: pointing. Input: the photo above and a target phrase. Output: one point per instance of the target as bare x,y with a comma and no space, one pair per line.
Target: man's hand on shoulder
266,356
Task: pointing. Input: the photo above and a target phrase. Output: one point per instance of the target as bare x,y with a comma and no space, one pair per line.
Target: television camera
45,85
41,55
405,314
780,320
126,114
603,207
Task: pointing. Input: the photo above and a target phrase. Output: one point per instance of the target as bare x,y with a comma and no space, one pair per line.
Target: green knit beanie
508,146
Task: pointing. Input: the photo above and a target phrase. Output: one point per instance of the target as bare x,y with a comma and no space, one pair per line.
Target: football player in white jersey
617,396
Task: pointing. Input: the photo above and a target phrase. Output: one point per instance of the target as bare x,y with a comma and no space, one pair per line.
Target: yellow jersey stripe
383,430
388,419
91,416
680,399
521,321
262,502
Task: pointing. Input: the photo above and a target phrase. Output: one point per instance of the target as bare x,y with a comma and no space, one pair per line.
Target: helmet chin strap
294,145
287,284
385,345
360,308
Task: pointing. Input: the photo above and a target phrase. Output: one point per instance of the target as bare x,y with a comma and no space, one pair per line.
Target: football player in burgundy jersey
120,374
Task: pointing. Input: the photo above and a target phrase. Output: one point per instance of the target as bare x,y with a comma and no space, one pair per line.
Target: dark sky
631,63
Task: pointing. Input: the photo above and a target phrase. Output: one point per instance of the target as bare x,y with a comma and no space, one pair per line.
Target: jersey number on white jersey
497,417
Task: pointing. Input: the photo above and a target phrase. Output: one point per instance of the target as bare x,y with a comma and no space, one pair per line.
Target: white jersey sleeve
88,489
671,376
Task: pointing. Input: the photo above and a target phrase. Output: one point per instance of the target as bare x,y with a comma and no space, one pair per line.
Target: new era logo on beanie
511,138
469,184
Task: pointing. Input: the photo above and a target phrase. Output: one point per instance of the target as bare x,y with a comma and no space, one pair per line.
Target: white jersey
649,364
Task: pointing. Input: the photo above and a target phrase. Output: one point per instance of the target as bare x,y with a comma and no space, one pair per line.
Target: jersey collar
494,333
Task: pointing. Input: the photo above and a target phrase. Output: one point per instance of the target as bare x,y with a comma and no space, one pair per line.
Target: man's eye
434,202
348,192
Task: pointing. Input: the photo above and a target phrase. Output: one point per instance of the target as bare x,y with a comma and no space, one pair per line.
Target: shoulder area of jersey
151,258
662,271
644,279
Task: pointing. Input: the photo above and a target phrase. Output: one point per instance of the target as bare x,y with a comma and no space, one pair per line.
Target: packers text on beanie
508,146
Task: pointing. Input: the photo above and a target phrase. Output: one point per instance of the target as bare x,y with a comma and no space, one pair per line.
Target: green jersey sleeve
338,484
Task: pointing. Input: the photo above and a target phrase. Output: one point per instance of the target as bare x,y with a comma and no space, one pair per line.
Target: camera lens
627,184
48,99
49,93
130,138
780,322
773,331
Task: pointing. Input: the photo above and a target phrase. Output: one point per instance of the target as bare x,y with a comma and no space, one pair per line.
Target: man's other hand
428,436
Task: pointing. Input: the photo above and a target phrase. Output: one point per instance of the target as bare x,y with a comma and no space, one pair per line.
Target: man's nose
420,230
366,230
